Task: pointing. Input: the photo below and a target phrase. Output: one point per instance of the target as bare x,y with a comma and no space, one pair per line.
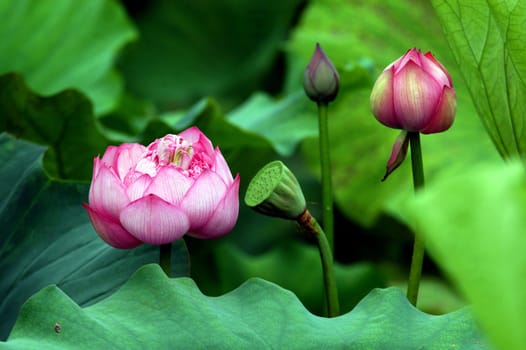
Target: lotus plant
177,185
275,191
414,93
321,83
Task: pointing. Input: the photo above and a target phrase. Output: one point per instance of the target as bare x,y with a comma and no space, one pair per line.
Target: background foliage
76,77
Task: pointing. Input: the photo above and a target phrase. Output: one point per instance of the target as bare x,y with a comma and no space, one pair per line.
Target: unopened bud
415,93
321,80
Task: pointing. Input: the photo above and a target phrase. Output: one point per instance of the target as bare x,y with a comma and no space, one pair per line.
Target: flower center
173,151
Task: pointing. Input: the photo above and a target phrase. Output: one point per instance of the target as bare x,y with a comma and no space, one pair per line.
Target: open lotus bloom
415,93
178,184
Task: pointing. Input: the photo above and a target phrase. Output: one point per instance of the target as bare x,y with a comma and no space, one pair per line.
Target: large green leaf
223,49
474,225
292,265
46,237
59,44
487,39
360,145
152,311
64,122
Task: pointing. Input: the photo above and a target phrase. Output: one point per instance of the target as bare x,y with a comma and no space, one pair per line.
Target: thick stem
417,260
309,223
165,258
416,160
326,179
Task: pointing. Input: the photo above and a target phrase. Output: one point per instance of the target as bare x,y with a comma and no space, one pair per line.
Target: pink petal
170,185
154,221
224,216
146,166
431,64
202,198
411,56
398,153
416,95
109,155
111,231
221,167
107,193
192,134
97,163
382,100
445,113
200,143
138,187
127,157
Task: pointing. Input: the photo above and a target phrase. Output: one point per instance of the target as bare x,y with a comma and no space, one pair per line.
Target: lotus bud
321,80
415,93
275,191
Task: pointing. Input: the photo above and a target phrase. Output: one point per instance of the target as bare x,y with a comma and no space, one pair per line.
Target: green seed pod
275,191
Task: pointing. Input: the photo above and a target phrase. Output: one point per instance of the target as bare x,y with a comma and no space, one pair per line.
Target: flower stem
326,179
417,260
309,223
165,258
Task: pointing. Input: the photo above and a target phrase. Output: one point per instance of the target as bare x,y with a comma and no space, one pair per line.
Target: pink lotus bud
415,93
178,184
321,80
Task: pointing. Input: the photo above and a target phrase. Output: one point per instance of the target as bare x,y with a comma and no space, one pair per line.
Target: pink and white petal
224,216
96,166
111,231
202,198
432,61
107,193
199,141
109,155
416,94
382,100
444,114
192,134
137,188
412,55
127,156
221,167
97,163
154,221
170,184
146,166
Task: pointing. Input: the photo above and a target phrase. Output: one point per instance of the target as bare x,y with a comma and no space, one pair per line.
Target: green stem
417,260
165,258
326,179
309,223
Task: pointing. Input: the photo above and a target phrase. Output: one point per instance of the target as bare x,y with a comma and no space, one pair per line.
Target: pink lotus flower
415,93
178,184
